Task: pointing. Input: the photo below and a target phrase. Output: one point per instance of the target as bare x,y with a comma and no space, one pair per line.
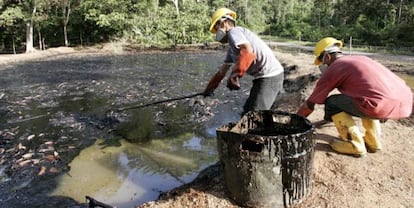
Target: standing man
368,90
249,54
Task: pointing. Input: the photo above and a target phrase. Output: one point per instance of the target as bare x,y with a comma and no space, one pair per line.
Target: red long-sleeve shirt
375,90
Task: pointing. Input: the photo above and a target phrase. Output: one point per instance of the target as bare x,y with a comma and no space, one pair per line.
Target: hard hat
322,45
218,14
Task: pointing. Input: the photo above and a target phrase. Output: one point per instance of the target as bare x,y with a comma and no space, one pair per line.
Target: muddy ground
383,179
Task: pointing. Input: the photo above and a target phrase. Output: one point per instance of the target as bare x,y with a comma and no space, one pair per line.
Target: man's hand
208,93
306,109
233,82
215,80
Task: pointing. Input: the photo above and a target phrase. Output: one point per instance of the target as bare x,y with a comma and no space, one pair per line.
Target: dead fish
27,156
46,150
42,170
30,137
21,185
20,146
11,150
24,163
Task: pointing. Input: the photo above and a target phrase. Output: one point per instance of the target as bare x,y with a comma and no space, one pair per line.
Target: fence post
350,45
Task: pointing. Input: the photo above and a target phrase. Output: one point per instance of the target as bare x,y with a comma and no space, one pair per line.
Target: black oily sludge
267,158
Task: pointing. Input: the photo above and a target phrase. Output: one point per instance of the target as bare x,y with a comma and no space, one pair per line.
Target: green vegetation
38,24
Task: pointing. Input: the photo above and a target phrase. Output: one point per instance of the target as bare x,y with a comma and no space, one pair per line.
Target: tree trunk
399,12
65,34
14,45
29,37
40,40
81,39
65,16
29,32
176,7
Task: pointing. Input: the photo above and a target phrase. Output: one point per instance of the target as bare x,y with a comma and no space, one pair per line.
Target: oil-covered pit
58,145
54,127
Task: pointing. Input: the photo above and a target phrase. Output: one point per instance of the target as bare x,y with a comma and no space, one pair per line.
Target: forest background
26,25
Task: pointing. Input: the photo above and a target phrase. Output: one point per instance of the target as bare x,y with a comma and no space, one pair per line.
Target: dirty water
132,174
59,145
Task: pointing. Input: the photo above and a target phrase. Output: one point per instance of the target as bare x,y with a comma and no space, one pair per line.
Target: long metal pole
160,101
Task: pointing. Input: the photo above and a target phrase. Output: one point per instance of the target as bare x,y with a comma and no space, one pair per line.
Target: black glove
208,93
233,83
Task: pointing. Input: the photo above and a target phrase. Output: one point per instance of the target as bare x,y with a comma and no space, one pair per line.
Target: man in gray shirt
249,54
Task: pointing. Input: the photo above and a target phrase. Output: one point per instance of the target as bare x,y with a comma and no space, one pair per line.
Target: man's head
220,15
221,22
326,49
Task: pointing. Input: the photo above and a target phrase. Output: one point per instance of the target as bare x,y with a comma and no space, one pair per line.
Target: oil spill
52,110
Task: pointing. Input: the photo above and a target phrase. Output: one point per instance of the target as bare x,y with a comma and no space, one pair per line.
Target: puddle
133,174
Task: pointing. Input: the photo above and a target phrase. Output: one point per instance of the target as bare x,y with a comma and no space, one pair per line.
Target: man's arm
216,79
246,58
306,109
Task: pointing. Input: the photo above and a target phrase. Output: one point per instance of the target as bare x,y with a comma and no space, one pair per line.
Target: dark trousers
340,103
263,93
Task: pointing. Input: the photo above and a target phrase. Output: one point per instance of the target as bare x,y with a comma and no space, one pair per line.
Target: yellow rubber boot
341,126
372,134
353,141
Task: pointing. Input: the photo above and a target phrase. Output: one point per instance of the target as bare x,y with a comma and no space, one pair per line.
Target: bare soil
382,179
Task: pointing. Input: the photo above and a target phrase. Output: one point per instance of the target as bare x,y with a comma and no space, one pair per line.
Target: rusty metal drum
267,158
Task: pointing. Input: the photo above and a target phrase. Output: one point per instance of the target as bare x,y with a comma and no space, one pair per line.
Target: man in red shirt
368,89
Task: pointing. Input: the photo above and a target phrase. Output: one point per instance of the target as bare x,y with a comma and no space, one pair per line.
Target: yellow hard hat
322,45
218,14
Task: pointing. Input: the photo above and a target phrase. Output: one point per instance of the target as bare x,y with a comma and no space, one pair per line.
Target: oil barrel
267,158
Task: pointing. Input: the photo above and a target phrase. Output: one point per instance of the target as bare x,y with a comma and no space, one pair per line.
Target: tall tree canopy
29,24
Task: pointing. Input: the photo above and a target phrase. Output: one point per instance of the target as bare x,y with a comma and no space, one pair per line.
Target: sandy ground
382,179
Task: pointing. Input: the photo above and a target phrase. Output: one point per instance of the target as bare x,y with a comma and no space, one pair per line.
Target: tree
170,22
175,2
31,13
10,20
66,6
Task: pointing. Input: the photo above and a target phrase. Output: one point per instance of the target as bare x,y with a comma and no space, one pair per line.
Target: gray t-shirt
266,63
